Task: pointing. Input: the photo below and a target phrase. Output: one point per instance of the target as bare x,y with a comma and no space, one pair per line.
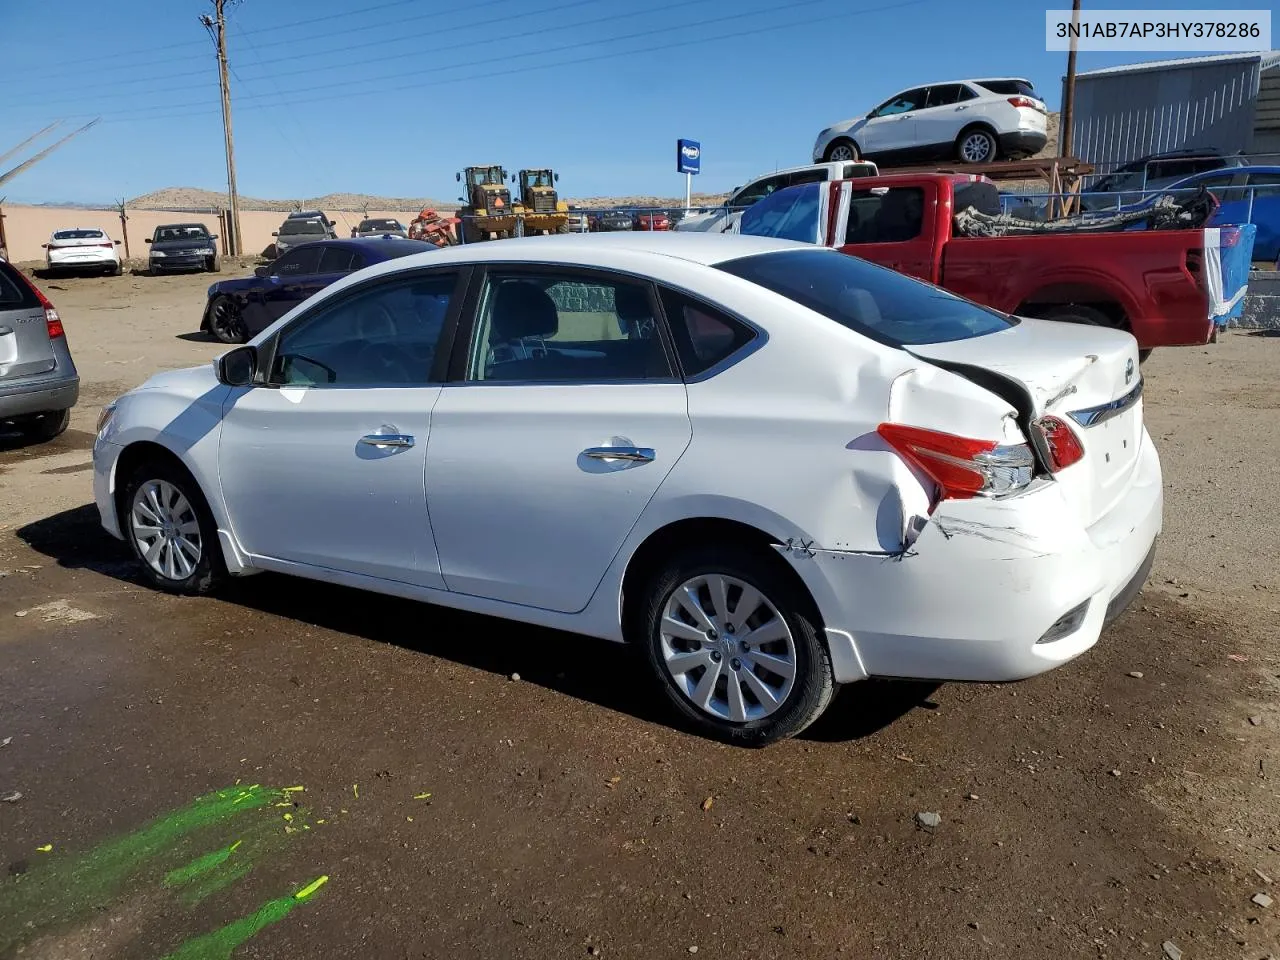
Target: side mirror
333,223
462,199
44,246
458,177
116,242
262,271
557,178
213,236
148,240
237,367
274,233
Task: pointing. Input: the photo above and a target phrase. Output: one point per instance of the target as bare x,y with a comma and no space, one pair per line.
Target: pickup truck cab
1149,283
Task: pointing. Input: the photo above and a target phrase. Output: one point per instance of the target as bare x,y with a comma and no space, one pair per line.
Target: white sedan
82,248
775,468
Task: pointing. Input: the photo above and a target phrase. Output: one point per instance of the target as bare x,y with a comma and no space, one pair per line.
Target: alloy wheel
976,147
727,648
165,530
842,152
226,323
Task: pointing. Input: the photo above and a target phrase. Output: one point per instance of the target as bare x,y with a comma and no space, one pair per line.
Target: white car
972,121
727,217
773,467
82,248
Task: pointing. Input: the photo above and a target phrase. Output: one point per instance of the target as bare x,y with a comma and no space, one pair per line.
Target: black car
182,246
237,310
610,220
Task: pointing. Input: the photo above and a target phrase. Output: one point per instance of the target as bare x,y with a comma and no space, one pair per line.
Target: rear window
1011,88
15,294
873,301
78,235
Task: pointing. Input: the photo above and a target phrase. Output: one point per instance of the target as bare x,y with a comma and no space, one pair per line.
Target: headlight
157,253
104,418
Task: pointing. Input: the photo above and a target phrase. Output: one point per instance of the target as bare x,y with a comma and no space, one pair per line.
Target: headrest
522,309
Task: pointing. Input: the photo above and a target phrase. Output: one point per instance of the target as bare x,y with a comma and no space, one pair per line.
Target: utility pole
1069,96
217,27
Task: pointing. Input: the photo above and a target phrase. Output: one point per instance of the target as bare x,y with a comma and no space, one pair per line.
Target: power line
754,31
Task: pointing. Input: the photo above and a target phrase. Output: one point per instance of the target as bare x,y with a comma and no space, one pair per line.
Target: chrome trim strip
1092,416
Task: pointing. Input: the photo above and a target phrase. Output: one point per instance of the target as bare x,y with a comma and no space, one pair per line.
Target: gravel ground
1123,802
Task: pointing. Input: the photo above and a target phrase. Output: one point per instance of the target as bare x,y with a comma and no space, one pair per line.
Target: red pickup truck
1147,282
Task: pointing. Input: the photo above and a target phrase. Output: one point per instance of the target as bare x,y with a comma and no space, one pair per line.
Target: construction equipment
428,225
539,205
487,212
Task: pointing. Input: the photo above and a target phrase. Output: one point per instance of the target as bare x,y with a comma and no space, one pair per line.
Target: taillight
962,467
51,318
1024,102
1060,441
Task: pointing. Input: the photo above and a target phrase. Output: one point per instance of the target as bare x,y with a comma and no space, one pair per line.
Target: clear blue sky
393,96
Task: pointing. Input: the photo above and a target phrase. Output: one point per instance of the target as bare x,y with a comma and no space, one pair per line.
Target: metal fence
605,220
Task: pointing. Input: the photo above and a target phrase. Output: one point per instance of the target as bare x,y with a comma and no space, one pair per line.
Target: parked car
182,246
1131,181
936,490
38,380
236,310
1237,203
380,227
609,221
303,227
579,220
725,219
81,248
1149,284
972,121
651,220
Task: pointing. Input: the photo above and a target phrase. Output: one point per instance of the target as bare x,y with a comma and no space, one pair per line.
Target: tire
214,265
843,148
191,564
1077,313
784,608
1145,355
46,426
115,270
977,145
563,228
225,322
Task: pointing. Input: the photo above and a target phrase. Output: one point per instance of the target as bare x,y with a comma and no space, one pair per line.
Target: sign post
688,162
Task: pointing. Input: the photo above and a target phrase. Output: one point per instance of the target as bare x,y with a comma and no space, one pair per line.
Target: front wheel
170,529
225,322
213,264
843,149
733,641
977,146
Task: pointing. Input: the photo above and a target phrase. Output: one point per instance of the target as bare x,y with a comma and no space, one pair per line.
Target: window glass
902,103
703,335
790,214
296,263
871,300
807,176
14,291
383,335
181,231
78,235
885,215
549,327
754,192
315,227
336,260
1011,88
944,95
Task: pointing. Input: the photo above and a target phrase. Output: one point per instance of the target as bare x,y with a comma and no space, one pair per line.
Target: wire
755,31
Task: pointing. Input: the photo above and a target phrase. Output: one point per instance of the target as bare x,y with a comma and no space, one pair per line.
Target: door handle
635,454
388,440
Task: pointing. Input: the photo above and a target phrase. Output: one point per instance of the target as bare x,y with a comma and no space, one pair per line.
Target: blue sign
688,156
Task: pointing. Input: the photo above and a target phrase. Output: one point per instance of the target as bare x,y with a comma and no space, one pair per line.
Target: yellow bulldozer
538,203
487,212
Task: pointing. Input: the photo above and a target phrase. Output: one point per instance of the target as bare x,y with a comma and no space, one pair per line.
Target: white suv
973,121
725,218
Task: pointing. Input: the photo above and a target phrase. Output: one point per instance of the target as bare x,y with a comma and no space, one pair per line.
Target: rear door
891,226
945,112
25,348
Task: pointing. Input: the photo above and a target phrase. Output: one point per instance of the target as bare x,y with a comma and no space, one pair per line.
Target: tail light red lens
962,467
1023,102
51,318
1061,442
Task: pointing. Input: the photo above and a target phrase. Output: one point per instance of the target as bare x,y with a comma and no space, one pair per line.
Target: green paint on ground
206,886
221,943
199,866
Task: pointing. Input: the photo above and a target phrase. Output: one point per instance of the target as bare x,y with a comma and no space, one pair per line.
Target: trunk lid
25,349
1086,376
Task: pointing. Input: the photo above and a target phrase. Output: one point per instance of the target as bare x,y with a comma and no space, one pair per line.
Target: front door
886,226
891,127
323,463
558,432
288,280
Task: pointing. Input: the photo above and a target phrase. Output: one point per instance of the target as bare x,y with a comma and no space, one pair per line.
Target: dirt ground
1122,806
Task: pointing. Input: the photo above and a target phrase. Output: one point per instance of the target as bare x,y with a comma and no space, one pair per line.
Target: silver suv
38,380
303,228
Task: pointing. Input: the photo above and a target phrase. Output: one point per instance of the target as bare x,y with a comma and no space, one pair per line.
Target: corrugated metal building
1230,101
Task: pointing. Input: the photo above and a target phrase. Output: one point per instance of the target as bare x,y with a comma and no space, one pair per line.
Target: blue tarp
1235,253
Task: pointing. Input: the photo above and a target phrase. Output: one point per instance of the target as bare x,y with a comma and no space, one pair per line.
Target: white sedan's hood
189,381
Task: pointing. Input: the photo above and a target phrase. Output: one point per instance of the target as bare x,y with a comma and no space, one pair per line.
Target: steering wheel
382,363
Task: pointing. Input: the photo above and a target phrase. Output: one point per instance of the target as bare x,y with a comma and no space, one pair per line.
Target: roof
1268,59
381,247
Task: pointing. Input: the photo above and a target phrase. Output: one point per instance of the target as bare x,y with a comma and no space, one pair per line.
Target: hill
194,198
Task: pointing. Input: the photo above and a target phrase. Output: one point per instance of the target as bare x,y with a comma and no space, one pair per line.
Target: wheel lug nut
711,634
735,663
715,656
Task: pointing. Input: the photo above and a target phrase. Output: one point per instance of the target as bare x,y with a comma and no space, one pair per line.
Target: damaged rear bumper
992,590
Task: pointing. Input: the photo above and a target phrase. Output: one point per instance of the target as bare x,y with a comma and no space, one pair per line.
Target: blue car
237,310
1231,187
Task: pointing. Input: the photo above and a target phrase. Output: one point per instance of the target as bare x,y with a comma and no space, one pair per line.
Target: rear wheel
1077,313
46,426
732,640
225,321
843,149
976,145
169,527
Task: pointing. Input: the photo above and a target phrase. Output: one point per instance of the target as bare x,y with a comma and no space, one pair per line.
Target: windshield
78,235
302,226
790,214
181,231
868,299
372,226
